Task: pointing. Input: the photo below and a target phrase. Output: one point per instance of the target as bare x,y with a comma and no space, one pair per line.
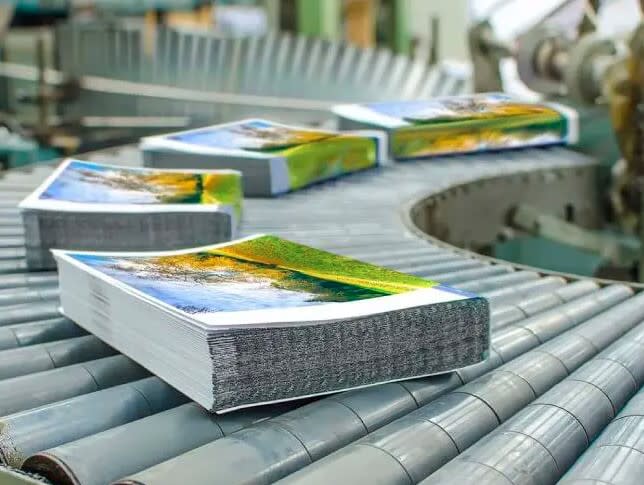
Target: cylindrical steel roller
350,245
546,437
439,267
543,326
15,314
38,332
532,306
417,259
33,390
502,316
12,253
8,266
576,289
48,278
456,278
459,419
11,232
15,296
303,423
34,430
12,241
617,455
42,357
494,282
522,291
10,221
377,255
140,444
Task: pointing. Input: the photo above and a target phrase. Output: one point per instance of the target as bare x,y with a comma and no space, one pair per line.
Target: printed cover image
258,273
86,182
471,123
310,155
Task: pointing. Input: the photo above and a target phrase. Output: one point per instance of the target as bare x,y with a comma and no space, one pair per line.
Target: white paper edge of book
209,401
364,114
33,201
161,142
280,183
272,316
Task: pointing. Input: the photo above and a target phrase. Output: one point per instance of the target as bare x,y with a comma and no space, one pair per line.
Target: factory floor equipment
548,403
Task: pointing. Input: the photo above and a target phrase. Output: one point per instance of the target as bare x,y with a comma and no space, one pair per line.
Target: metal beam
319,18
401,39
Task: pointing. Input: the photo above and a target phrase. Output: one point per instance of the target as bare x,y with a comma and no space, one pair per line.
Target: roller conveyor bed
559,398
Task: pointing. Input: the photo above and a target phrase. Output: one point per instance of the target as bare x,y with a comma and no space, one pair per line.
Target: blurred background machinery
78,75
576,57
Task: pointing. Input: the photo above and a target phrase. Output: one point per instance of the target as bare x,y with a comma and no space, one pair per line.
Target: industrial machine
601,77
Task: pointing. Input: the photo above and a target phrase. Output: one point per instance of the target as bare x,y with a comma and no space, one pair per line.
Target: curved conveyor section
567,355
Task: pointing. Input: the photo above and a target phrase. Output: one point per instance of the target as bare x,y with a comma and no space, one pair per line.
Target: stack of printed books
263,319
272,157
89,206
462,124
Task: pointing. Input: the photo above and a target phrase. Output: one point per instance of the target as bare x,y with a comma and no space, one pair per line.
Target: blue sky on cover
231,292
403,109
222,137
72,186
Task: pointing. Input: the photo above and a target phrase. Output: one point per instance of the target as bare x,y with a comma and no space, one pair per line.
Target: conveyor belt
566,356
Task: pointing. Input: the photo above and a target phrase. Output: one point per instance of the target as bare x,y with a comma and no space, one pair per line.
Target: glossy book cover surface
309,155
88,184
250,278
466,123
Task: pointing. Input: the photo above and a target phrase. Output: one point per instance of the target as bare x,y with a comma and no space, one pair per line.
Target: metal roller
15,314
38,332
615,457
543,326
532,305
308,425
13,231
10,220
33,430
548,435
456,278
500,281
12,241
442,267
13,296
13,265
21,280
12,253
141,443
459,419
397,261
530,289
42,357
45,387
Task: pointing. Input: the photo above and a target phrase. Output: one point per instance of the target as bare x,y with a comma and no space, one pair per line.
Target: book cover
83,186
263,319
261,280
463,124
308,155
